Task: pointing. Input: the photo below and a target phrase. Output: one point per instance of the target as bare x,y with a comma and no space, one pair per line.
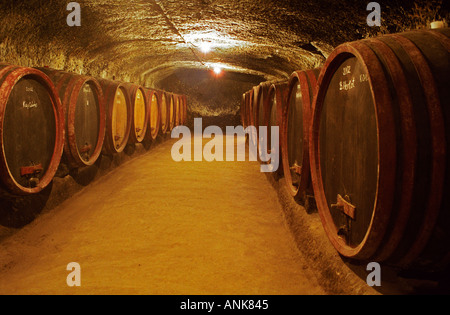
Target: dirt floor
154,226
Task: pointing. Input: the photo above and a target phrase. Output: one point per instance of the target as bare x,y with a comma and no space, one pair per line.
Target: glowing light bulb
217,70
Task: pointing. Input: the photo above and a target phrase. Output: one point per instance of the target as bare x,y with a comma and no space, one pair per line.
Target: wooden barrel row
368,135
48,115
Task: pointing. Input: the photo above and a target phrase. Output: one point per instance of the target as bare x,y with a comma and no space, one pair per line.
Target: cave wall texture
156,42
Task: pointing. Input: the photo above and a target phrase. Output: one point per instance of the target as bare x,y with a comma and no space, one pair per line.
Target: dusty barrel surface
118,116
380,145
164,110
154,101
276,103
85,116
301,90
139,109
31,130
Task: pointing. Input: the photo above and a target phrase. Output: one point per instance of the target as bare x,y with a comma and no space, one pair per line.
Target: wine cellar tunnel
363,171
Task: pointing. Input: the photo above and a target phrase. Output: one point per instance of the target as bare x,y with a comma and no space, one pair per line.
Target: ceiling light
205,47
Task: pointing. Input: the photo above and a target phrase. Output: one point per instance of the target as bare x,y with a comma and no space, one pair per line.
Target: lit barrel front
139,108
164,110
154,100
118,118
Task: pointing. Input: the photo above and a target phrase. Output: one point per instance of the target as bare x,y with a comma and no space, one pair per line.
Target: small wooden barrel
140,111
276,104
31,130
154,100
164,110
85,116
380,146
118,116
294,136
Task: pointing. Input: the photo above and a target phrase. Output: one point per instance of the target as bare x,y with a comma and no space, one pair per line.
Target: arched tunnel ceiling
147,41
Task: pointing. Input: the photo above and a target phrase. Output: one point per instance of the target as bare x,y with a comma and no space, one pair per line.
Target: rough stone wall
147,41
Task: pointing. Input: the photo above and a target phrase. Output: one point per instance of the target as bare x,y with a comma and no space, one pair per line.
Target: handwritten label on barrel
347,85
30,104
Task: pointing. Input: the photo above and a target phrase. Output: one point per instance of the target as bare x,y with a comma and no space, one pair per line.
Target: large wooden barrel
294,136
140,112
118,116
276,104
154,101
164,110
85,116
380,147
31,130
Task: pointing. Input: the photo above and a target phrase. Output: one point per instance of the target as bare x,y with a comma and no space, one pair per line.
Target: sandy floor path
154,226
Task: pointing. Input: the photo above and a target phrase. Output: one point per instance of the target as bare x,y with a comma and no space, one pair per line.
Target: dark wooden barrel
380,147
140,112
294,136
276,104
118,116
85,116
164,110
154,101
31,130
